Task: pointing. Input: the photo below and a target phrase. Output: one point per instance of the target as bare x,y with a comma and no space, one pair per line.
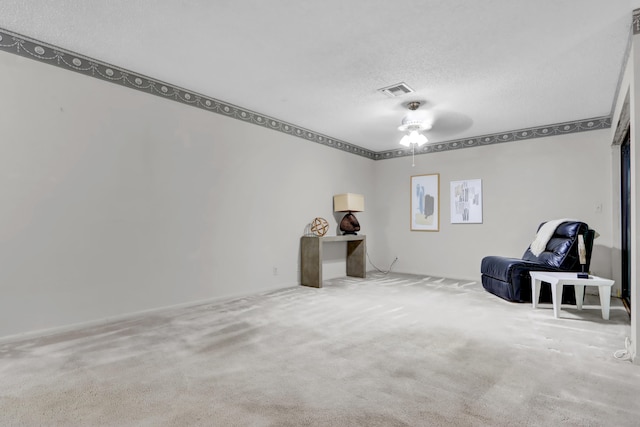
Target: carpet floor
389,350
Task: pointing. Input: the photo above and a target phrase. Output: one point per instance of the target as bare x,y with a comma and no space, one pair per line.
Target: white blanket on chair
544,235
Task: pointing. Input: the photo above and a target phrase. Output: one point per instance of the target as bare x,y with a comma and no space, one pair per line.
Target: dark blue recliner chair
509,278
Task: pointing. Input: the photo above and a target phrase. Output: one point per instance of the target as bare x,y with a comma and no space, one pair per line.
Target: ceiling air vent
396,90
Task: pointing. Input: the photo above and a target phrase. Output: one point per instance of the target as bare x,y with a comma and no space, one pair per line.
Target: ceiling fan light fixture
411,125
414,120
414,137
418,138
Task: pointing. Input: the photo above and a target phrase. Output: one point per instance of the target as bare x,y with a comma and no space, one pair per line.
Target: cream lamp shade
348,202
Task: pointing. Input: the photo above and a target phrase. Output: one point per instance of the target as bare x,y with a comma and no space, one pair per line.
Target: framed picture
425,202
466,202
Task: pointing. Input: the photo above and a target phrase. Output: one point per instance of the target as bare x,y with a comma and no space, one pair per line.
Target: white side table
558,280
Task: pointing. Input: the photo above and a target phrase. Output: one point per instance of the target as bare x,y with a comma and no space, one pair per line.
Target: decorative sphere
319,226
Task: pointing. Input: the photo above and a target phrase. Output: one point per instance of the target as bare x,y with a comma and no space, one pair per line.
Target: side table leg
357,258
311,262
536,284
605,300
556,297
579,295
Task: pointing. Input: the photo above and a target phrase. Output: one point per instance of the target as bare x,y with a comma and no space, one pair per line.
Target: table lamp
349,202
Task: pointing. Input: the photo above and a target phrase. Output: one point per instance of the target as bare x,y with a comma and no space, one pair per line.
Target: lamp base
583,274
349,224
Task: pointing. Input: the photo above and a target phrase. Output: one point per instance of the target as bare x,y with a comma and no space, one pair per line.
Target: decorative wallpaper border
33,49
498,138
43,52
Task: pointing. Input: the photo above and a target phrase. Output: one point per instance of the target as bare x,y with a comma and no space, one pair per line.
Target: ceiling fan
440,123
414,123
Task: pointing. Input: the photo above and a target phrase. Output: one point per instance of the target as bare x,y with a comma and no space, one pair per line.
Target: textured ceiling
481,67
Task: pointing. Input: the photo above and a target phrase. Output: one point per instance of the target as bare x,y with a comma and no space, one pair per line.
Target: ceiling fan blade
447,123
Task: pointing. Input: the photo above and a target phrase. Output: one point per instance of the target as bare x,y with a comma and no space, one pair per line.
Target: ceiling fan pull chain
413,155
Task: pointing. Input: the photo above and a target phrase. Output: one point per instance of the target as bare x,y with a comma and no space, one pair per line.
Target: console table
311,257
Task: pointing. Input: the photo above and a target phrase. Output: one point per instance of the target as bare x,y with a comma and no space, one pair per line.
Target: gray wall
113,201
524,183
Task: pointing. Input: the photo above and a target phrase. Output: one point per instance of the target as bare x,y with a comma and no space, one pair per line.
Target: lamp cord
379,270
